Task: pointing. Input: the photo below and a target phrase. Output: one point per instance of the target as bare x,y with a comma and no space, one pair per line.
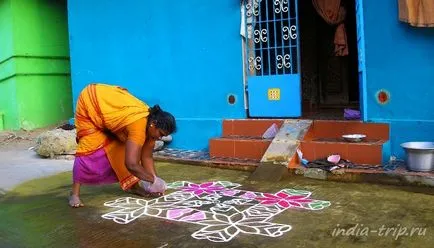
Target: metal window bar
279,19
268,38
278,47
275,37
289,38
279,10
265,55
297,38
249,25
260,34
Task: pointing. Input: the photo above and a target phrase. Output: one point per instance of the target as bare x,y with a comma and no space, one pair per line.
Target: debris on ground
271,132
21,139
56,142
9,137
315,173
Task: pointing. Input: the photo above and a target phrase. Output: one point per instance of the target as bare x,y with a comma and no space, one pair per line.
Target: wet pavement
36,214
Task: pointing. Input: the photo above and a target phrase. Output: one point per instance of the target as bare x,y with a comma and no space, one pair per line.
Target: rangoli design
223,210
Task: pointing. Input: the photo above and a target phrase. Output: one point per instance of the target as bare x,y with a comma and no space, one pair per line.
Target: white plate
354,137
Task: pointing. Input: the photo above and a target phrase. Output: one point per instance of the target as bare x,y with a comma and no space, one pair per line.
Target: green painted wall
6,43
8,110
35,87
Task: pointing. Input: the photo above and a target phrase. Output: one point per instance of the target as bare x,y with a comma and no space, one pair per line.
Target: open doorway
329,83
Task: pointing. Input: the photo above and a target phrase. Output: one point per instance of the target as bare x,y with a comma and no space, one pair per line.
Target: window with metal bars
271,40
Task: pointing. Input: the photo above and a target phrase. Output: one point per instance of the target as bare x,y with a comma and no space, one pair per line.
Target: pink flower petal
206,185
195,217
176,213
209,191
249,195
215,188
284,204
198,192
230,192
282,195
270,195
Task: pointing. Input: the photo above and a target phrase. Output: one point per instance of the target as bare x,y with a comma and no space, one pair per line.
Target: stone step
238,147
335,129
241,139
248,127
368,152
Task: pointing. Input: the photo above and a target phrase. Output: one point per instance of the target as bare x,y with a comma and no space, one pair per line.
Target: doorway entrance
330,82
291,66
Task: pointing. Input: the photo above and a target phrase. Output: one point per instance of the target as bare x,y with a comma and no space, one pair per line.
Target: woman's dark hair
162,119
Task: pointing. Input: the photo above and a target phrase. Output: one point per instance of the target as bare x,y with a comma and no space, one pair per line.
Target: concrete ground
18,163
35,213
18,166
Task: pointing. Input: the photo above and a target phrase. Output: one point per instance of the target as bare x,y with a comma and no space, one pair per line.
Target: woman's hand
159,185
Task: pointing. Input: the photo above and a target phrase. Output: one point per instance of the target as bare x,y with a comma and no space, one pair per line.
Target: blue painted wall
399,59
184,55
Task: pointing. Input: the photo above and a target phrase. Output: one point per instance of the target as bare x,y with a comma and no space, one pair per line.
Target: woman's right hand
159,185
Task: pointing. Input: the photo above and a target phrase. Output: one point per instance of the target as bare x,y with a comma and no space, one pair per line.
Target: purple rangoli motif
223,210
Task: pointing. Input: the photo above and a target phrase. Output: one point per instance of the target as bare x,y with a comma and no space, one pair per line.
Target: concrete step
368,152
241,139
335,129
238,147
248,127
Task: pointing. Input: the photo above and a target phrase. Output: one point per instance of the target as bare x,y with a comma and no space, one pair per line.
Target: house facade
35,85
206,61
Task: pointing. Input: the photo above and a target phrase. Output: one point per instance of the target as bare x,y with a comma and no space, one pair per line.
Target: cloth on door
334,14
417,13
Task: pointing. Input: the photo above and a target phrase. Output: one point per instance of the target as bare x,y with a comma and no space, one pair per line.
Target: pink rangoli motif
198,189
222,210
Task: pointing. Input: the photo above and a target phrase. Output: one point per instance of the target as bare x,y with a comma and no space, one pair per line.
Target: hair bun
155,109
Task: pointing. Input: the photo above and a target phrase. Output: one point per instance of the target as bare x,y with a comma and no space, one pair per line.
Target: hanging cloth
417,13
334,14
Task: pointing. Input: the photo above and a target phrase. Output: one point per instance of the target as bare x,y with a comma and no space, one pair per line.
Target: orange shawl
103,107
418,13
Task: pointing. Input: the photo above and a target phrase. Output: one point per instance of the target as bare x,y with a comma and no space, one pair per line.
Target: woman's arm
136,144
145,171
147,158
134,154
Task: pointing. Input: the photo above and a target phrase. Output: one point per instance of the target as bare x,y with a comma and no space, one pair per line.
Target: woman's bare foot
74,201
